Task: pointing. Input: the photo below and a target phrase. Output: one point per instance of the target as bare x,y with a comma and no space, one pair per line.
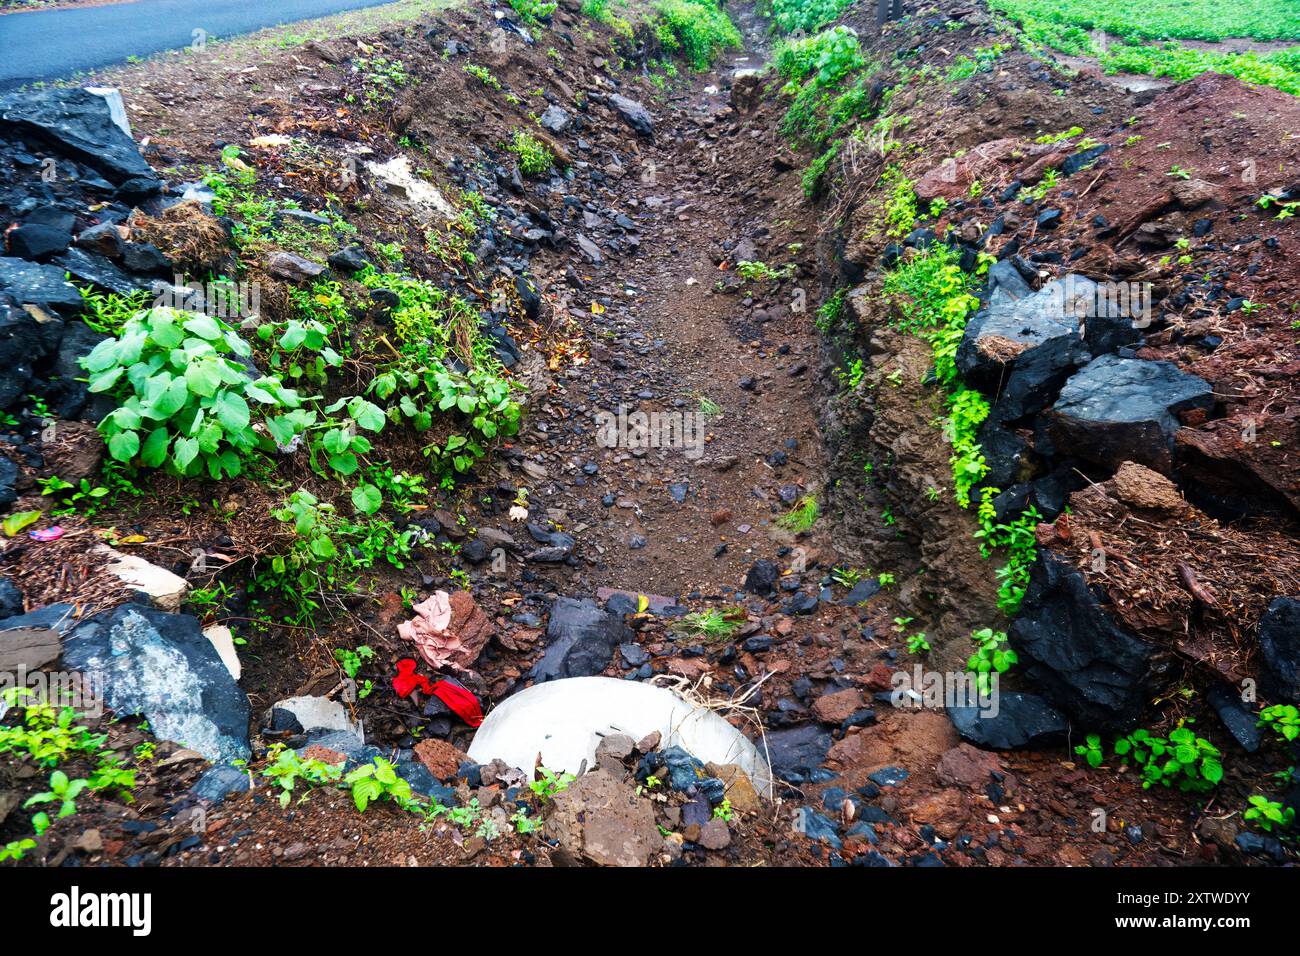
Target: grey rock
79,124
103,239
1022,720
581,639
349,260
634,114
30,283
162,666
293,268
555,119
99,271
1239,719
217,783
1120,409
1279,642
1075,653
1022,348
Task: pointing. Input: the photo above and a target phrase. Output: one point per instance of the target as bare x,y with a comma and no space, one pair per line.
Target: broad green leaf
344,464
204,326
367,415
19,520
184,452
124,445
232,411
323,546
366,498
103,381
154,451
203,377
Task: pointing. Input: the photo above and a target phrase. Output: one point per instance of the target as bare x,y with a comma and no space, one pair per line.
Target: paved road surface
49,44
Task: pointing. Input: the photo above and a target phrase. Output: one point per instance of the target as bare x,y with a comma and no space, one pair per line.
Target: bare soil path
675,331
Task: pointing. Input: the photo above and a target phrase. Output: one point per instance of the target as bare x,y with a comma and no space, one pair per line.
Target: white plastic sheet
564,721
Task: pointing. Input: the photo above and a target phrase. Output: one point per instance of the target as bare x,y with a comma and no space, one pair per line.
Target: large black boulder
1121,409
30,283
1020,720
79,124
581,639
1022,348
1279,642
1073,651
161,666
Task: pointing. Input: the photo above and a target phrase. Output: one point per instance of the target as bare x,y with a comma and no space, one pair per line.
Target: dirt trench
673,333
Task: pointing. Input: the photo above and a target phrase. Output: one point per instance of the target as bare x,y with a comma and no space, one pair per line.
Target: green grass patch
791,15
1165,19
1068,25
698,29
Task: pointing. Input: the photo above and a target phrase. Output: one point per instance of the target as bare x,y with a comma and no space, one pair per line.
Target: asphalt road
51,44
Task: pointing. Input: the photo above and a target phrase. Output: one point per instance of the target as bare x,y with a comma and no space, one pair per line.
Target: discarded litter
564,720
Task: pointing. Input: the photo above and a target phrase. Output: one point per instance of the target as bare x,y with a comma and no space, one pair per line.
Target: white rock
165,590
398,179
319,713
116,106
224,642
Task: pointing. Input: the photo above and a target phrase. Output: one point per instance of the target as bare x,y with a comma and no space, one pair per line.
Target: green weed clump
699,29
936,300
791,15
828,84
534,156
533,11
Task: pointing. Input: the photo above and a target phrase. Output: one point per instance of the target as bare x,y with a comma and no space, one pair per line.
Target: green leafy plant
1183,760
1282,719
377,780
1091,750
747,269
533,11
16,849
992,656
286,769
534,156
1268,814
62,791
351,661
549,783
183,402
